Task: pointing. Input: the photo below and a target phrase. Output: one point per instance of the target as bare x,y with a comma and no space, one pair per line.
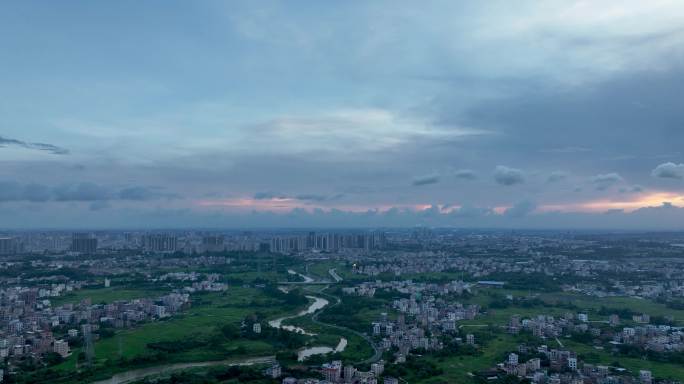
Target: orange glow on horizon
287,204
654,199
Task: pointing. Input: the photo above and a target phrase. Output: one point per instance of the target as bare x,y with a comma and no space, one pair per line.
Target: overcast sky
149,114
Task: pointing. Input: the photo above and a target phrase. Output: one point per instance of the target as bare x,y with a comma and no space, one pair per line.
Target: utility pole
118,339
88,341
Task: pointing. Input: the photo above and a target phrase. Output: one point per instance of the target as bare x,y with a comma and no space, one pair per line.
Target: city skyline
366,114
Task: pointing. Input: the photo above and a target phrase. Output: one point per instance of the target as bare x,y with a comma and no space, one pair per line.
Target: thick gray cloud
78,192
140,193
669,171
10,191
13,191
36,193
619,124
605,181
432,178
468,211
633,189
665,216
81,192
508,176
466,174
99,205
521,209
557,176
5,142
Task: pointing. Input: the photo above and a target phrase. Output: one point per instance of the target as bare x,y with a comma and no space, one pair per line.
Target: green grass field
635,304
320,269
457,368
584,303
660,370
105,295
195,324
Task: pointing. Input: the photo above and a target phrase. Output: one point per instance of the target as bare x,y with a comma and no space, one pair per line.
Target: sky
482,114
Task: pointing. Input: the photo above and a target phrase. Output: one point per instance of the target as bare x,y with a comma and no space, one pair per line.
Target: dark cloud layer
605,181
557,176
613,125
521,209
669,171
508,176
78,192
55,150
465,174
426,180
523,215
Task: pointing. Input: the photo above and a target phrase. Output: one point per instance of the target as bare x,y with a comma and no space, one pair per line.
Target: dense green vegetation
107,295
355,312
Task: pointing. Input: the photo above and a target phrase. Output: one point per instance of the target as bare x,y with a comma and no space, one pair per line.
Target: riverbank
141,373
317,304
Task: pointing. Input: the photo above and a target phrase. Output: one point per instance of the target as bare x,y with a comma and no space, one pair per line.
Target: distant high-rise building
83,243
161,243
88,349
9,245
328,242
213,244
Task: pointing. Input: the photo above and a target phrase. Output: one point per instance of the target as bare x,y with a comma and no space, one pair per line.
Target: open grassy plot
106,295
456,368
320,269
660,370
197,325
554,302
635,304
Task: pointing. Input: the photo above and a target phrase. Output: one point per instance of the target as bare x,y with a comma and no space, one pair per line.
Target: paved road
559,343
334,275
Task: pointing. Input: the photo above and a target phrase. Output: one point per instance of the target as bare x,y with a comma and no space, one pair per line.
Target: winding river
317,304
302,354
